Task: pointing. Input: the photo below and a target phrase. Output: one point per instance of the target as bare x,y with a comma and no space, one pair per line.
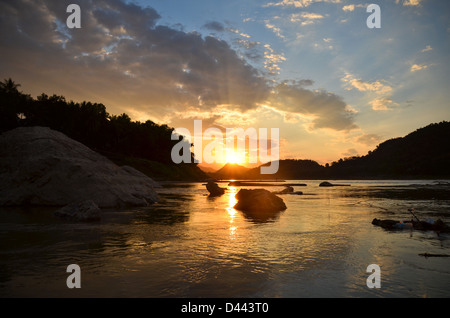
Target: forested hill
291,169
422,153
145,146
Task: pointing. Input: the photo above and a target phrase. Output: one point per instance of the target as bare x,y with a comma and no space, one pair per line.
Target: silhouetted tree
12,105
86,122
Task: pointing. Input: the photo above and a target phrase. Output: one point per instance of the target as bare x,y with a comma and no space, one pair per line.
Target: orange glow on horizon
234,157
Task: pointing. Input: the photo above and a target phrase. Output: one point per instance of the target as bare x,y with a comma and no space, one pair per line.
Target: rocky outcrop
286,190
214,189
40,166
80,211
258,200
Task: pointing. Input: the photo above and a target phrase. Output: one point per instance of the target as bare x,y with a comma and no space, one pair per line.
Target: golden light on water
231,211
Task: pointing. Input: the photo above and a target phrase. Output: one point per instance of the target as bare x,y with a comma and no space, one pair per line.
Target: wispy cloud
275,29
409,2
351,7
418,67
305,18
297,3
427,48
272,60
363,86
379,92
236,31
382,104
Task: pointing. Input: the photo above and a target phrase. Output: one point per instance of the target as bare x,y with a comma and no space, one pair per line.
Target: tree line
86,122
422,154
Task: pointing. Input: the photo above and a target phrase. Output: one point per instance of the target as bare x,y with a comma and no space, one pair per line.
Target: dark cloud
214,26
123,58
120,50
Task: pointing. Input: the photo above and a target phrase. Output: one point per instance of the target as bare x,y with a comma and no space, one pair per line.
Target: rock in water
214,189
328,184
286,190
40,166
80,211
258,200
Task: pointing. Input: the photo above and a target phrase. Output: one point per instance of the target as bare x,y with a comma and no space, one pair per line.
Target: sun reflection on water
231,211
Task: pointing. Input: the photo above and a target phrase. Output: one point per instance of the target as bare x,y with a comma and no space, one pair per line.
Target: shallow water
191,245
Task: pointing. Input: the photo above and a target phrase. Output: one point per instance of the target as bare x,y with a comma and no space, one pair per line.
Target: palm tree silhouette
9,86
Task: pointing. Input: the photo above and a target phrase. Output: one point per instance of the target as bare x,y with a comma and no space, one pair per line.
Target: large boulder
80,211
255,200
40,166
214,189
286,190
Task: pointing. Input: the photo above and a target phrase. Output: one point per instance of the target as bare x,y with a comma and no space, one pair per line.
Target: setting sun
234,157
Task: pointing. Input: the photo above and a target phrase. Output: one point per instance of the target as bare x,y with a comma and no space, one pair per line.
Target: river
191,245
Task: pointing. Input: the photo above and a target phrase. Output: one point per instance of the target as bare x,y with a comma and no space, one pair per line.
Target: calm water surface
191,245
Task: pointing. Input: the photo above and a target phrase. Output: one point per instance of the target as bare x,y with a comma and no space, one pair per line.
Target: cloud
426,49
382,104
409,2
247,44
297,3
418,67
363,86
349,7
272,60
238,32
325,109
378,92
305,18
122,56
214,26
275,29
369,139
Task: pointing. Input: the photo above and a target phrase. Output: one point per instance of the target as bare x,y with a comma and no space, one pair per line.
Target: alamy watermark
374,279
374,20
215,151
74,279
74,19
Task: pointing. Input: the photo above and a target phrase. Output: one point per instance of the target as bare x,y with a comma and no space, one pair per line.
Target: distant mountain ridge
424,153
231,171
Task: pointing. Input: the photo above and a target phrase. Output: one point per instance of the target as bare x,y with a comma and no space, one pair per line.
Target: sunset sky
311,68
